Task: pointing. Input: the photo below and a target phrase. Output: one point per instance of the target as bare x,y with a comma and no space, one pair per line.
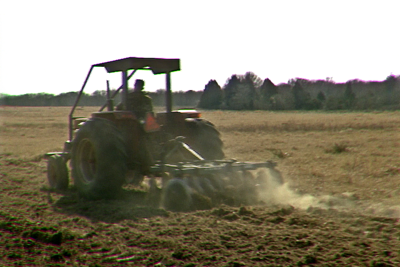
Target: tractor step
49,154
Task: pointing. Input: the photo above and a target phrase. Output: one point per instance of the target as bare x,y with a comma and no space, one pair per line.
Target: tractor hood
156,65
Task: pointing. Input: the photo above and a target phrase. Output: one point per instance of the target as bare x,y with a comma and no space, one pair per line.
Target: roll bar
156,65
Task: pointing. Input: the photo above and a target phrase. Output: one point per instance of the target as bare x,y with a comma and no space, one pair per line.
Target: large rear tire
98,159
204,138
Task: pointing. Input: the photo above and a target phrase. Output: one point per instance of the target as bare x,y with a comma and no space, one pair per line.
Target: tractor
116,147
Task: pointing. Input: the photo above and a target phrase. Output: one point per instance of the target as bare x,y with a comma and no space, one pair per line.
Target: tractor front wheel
57,173
98,159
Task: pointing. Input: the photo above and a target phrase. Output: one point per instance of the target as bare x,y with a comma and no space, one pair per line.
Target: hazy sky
49,46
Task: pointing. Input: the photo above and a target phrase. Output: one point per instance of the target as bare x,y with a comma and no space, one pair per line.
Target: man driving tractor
138,101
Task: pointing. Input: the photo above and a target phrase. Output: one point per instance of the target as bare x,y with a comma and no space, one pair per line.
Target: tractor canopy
156,65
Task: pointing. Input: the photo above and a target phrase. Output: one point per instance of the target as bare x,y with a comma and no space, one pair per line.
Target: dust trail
283,194
273,191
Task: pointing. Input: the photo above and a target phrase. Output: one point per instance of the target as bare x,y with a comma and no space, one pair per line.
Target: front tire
57,173
98,159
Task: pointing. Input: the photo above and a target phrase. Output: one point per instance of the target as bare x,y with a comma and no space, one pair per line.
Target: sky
49,46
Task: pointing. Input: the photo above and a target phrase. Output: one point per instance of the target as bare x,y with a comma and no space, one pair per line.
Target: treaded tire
204,138
98,159
57,173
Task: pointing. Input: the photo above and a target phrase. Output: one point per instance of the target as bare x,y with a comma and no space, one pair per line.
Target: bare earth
340,205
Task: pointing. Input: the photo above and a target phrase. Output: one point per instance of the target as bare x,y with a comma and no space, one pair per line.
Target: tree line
98,98
249,92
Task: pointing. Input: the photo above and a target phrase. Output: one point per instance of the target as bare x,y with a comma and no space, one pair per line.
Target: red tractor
115,146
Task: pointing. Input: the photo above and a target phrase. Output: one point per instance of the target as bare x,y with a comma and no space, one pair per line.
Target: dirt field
340,205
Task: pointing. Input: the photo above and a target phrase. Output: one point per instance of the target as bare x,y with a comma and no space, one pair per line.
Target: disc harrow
204,184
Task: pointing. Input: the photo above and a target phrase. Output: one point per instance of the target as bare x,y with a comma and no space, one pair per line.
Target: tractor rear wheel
98,159
204,138
57,173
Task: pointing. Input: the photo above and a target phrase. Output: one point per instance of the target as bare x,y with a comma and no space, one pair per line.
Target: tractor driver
138,101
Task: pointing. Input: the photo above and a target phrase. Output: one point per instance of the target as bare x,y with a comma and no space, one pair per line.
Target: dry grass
305,144
39,227
308,146
29,132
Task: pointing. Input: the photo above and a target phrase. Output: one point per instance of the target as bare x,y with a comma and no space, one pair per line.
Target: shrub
337,148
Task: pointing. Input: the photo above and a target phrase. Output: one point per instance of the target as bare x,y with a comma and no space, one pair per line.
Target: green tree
349,97
390,85
240,91
265,95
321,96
251,84
301,97
230,89
212,96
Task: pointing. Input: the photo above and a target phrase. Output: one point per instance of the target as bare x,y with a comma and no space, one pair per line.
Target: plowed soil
339,206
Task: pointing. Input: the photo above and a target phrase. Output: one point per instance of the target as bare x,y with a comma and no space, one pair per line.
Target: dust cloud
276,192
